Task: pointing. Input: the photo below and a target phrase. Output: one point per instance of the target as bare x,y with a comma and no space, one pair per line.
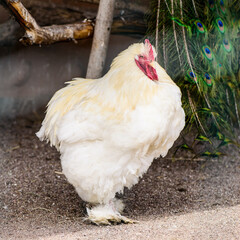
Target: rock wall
30,75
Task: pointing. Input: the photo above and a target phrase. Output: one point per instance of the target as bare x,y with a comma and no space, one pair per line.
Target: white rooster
109,130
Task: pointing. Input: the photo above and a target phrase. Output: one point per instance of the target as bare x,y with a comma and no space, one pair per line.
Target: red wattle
151,72
147,69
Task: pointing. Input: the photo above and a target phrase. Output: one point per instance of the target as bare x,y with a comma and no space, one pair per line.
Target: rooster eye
141,56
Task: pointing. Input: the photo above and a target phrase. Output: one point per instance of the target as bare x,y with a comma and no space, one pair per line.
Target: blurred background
29,75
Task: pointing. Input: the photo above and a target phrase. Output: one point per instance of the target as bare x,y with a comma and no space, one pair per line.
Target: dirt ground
173,199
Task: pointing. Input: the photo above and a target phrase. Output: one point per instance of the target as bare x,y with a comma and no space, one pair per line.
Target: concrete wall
30,75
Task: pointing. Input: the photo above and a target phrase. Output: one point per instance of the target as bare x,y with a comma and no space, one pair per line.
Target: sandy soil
179,199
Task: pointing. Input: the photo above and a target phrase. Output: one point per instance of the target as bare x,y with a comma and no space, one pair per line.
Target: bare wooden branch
100,38
22,15
59,12
57,33
46,35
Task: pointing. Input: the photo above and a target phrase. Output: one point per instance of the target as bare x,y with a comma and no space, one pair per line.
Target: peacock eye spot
208,79
227,45
225,41
207,50
207,76
220,23
199,25
192,74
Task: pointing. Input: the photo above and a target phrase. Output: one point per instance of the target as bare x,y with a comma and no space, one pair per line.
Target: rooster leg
107,214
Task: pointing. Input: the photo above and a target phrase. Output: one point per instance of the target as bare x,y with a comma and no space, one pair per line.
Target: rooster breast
100,156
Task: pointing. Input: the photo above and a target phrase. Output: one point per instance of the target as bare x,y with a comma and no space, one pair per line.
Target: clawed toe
128,220
105,215
110,221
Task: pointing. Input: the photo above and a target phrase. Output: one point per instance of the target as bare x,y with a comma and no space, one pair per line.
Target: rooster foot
109,220
106,215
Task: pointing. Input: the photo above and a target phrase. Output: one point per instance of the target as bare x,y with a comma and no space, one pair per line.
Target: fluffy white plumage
109,130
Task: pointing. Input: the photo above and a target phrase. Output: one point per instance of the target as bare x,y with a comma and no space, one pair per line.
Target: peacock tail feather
198,43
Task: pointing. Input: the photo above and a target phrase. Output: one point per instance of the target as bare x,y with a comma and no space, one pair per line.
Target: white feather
109,130
100,157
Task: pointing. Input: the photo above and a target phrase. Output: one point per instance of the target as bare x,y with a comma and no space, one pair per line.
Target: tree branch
100,38
46,35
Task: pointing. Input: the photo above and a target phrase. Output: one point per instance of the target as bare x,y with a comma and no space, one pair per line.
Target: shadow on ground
36,198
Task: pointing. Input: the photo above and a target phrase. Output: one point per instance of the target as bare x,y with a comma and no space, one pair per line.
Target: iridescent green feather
198,43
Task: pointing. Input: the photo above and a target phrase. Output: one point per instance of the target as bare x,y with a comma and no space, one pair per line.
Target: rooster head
145,59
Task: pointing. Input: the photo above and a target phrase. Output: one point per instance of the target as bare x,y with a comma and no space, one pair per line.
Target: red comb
150,54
